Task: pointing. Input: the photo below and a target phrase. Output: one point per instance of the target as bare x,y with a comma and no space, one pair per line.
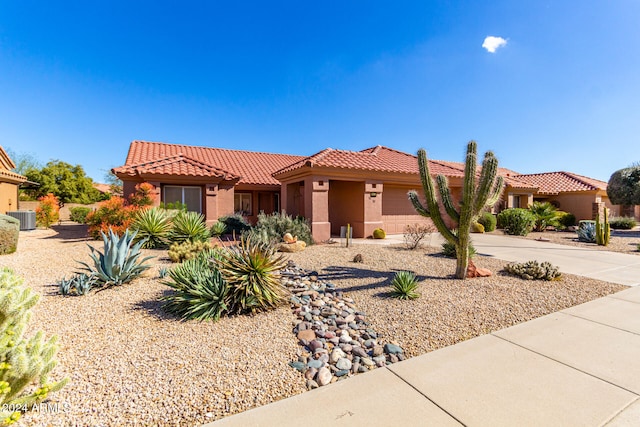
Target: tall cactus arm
417,205
498,188
430,196
469,183
445,197
487,178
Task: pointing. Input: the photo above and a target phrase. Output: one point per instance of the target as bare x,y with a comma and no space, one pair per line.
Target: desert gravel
131,364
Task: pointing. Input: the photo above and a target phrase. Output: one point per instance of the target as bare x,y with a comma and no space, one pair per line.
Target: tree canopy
69,183
624,186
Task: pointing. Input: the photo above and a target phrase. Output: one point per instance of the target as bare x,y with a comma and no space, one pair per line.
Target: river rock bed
335,339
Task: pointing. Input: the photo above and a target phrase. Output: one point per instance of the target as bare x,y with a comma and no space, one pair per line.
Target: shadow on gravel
154,307
69,232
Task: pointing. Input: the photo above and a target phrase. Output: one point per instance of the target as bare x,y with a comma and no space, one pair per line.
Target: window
190,196
242,203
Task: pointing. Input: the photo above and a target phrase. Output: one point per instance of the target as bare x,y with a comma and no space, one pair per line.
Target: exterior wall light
373,194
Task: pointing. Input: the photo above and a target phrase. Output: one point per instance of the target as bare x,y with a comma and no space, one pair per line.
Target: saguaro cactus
476,195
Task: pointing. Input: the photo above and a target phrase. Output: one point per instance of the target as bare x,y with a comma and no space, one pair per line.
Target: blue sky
78,83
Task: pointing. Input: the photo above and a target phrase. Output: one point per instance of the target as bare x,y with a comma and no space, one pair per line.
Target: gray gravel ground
130,364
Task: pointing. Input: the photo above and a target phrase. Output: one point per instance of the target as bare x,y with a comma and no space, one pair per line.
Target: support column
372,206
316,206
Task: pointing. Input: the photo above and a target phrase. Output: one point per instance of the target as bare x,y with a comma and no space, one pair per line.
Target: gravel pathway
130,364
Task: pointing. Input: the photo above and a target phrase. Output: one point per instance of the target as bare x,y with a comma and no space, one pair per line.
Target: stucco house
332,188
9,183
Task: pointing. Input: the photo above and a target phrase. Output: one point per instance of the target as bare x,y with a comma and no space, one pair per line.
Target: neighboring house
332,188
9,183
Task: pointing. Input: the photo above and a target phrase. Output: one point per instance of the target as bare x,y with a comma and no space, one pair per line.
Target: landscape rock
9,233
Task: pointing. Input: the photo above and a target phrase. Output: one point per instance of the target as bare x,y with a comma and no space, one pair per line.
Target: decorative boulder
473,271
9,232
296,246
288,238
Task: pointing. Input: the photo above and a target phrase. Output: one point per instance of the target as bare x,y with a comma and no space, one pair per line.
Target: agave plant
252,271
189,226
200,290
404,285
78,284
218,229
587,232
119,262
153,225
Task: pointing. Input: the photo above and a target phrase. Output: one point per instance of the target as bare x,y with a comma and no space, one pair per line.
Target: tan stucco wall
579,204
397,210
346,206
8,197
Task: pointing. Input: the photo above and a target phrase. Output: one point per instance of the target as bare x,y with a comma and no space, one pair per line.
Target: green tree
624,186
477,194
69,183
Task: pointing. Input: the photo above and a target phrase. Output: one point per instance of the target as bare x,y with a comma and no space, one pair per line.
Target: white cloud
492,43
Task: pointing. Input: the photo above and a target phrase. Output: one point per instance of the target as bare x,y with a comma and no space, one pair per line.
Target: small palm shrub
404,285
545,214
252,271
25,362
120,262
532,270
449,250
78,284
270,228
566,219
200,291
179,252
516,221
236,223
488,221
218,229
48,211
153,226
379,233
189,226
587,231
622,223
79,214
414,234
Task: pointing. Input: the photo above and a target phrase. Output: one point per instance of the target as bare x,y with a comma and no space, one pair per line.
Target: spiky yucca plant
217,229
252,271
477,194
119,262
189,226
153,225
24,361
200,290
404,285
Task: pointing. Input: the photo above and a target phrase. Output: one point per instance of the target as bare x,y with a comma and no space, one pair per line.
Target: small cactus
379,233
532,270
179,252
603,229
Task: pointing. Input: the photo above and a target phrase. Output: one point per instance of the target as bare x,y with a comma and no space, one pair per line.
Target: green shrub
531,270
476,227
119,262
25,362
179,252
200,291
235,223
78,284
189,226
177,206
449,250
516,221
153,226
379,233
622,223
79,214
566,219
587,231
218,229
269,229
488,221
252,271
404,285
545,215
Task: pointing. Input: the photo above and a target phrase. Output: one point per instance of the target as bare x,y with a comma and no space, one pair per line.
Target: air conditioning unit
27,219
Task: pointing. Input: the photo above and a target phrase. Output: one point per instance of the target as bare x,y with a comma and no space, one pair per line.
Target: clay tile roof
507,174
177,165
249,166
378,159
557,182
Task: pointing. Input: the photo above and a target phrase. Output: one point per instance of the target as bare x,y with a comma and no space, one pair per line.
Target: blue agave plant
119,262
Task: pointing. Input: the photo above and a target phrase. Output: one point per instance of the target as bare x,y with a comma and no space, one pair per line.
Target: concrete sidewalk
576,367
